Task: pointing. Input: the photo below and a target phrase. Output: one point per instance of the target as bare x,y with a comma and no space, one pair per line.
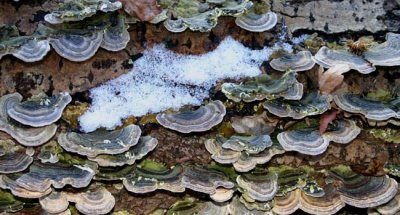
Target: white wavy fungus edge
162,79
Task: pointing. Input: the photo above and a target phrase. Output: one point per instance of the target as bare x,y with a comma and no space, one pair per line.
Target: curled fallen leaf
325,119
329,80
145,10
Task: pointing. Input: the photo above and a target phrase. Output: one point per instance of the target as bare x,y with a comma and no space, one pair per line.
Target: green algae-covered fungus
74,10
311,104
265,87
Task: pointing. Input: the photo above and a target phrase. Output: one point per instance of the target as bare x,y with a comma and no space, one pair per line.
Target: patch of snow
284,46
162,79
300,39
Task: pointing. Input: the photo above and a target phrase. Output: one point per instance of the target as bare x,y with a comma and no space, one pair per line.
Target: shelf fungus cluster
265,87
75,42
73,10
384,54
80,45
374,111
31,122
310,141
262,193
204,16
96,200
233,131
242,160
26,48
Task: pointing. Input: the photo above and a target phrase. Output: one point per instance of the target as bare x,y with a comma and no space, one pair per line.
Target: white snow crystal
162,79
300,39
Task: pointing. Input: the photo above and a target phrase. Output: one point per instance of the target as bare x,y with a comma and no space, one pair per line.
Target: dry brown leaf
332,78
325,119
145,10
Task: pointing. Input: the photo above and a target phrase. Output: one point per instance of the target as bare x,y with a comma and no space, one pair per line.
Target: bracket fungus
309,141
77,46
327,58
237,207
41,112
254,125
24,135
258,186
32,51
373,110
385,54
242,161
302,61
218,153
55,202
363,191
13,158
202,119
248,144
328,204
116,37
100,141
26,48
205,180
75,10
146,144
203,22
257,22
311,104
148,179
96,200
265,87
41,176
175,26
235,8
8,182
392,207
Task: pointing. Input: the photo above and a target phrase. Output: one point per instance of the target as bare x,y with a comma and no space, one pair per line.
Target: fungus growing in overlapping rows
327,58
26,136
310,141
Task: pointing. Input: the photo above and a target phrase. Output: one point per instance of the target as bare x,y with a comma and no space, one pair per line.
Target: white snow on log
162,79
